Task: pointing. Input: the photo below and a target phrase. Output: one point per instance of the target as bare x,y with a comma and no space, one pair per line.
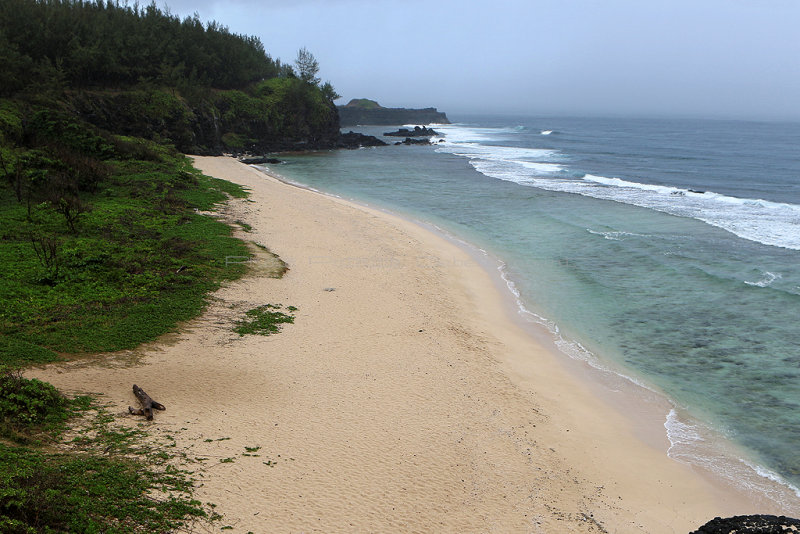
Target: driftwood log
148,404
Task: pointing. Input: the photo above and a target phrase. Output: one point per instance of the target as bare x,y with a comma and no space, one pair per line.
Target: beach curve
401,400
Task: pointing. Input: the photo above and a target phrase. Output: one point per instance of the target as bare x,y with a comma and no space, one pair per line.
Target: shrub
263,320
27,405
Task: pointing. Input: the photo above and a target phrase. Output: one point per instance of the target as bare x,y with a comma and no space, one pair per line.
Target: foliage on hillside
102,248
139,71
104,239
363,103
101,244
102,44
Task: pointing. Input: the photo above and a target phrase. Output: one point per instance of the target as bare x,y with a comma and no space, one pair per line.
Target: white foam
474,150
616,235
460,133
680,433
763,221
545,168
766,279
546,132
766,222
771,475
695,444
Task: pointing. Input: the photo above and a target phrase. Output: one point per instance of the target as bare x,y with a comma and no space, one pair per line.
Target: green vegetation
363,103
106,479
243,225
105,240
30,408
264,320
88,493
101,246
103,43
139,71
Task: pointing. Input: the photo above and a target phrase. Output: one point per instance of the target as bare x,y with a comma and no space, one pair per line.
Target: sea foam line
762,221
684,438
699,445
766,280
689,442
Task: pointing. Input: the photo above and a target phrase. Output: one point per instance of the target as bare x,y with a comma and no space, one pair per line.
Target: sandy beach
404,398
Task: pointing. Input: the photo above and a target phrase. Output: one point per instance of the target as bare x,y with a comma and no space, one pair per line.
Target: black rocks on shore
412,141
750,524
357,140
416,132
259,160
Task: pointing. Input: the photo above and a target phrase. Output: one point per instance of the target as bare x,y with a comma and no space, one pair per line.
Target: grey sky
710,58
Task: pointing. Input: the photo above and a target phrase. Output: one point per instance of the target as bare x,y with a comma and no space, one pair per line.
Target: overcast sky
707,58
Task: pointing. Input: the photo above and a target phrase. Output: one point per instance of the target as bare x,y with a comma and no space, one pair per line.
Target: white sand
404,400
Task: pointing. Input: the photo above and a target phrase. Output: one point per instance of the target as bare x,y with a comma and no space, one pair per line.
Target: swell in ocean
687,283
771,223
691,441
766,222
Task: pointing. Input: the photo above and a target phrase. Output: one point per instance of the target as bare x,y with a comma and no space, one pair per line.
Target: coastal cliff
364,111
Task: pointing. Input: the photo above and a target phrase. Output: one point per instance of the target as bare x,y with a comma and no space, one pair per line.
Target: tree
329,92
307,66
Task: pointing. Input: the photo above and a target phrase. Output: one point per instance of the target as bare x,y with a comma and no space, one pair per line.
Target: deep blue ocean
665,250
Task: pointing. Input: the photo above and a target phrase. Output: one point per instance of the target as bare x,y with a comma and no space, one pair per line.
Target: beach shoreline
654,417
402,399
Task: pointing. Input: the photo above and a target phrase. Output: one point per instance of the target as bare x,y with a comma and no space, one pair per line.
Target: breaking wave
763,221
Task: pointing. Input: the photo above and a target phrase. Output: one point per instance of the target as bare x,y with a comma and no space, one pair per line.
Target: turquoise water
667,249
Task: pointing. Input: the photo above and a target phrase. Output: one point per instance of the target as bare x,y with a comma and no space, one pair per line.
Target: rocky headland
418,131
368,112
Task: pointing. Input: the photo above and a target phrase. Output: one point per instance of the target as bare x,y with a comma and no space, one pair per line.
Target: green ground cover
106,242
102,477
136,259
264,320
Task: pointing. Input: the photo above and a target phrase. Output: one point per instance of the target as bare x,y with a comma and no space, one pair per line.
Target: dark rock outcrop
750,524
418,131
413,141
357,140
259,160
363,111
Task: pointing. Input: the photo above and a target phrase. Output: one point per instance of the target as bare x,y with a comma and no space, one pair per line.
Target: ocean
666,251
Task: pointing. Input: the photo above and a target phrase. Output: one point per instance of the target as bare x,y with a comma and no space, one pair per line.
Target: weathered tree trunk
148,404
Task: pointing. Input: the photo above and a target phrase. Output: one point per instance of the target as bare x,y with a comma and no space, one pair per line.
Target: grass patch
140,261
105,243
244,226
105,479
89,493
30,407
264,320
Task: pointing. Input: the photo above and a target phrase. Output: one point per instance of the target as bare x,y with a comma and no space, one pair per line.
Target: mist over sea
665,250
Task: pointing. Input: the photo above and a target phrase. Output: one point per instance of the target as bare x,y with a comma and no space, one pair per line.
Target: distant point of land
363,103
365,111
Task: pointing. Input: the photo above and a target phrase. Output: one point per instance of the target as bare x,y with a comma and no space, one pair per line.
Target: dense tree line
97,101
87,86
102,43
103,241
143,72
